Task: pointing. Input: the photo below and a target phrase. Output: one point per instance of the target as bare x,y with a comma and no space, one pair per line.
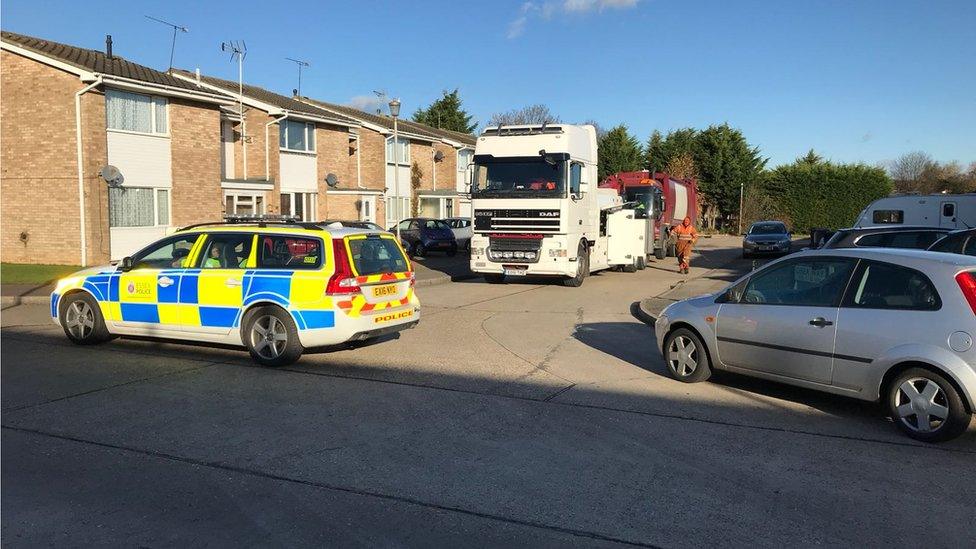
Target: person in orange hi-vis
686,236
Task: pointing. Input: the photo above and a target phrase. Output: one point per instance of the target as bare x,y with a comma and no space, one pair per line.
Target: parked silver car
875,324
766,237
462,229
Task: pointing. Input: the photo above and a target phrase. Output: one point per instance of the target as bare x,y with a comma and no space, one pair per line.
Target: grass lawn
20,273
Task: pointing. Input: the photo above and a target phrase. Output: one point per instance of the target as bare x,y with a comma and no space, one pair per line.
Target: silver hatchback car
873,324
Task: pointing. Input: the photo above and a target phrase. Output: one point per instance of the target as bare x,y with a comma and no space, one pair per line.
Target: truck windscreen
519,178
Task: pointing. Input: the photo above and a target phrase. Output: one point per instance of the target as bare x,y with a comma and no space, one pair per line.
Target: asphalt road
529,414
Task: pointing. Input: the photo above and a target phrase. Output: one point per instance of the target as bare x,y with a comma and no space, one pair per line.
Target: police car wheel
271,337
82,320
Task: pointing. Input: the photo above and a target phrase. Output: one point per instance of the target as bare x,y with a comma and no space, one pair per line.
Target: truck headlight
529,255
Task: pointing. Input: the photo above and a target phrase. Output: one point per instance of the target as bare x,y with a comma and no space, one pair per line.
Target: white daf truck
537,209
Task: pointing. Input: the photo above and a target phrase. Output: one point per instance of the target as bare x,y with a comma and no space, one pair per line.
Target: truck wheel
632,268
495,278
641,263
672,250
660,253
582,268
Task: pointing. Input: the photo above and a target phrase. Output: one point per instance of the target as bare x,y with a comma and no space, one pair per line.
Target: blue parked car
421,235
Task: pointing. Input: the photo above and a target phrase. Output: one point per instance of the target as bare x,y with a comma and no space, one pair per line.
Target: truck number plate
381,291
516,272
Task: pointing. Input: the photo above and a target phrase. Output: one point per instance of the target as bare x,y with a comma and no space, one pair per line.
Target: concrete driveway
529,414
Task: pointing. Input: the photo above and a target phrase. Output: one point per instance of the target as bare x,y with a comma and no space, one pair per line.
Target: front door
948,215
784,322
213,291
147,296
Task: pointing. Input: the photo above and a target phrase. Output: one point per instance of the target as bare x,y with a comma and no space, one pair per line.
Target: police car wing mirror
126,264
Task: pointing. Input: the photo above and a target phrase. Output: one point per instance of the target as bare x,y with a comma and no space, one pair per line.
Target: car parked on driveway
462,229
422,235
889,325
766,237
957,242
917,238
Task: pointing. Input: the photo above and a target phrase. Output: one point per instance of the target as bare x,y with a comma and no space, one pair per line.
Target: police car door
144,299
213,291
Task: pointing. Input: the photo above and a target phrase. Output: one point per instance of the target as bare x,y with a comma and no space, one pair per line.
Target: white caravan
537,208
952,211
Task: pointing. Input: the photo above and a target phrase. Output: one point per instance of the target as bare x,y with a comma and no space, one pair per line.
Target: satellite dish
111,175
438,156
332,180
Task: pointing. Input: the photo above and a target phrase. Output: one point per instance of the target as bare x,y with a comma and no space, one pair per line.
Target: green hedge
824,194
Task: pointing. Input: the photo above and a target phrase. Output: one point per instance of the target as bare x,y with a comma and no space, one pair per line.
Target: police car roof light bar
259,220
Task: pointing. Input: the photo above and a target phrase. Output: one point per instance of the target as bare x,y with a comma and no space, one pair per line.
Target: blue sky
856,80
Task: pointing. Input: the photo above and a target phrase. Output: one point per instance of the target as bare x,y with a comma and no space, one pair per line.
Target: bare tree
682,166
600,131
908,171
533,114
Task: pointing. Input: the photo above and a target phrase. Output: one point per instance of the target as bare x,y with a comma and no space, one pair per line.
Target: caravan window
889,216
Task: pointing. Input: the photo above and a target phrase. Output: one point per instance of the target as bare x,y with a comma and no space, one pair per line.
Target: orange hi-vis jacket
685,233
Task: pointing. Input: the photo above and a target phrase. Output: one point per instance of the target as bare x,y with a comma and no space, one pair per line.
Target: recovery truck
662,200
538,211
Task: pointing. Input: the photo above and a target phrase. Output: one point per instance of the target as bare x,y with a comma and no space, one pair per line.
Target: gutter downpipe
267,154
81,169
359,165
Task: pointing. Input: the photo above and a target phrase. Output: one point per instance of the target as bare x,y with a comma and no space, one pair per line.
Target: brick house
442,156
66,112
316,171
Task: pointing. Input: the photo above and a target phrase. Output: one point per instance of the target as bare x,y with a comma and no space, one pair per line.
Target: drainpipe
433,163
81,170
267,155
359,165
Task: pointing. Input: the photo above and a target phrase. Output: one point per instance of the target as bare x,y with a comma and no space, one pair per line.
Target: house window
138,207
135,112
402,150
296,136
243,203
464,159
300,205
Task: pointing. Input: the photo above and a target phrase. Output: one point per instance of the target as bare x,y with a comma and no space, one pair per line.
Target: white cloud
367,103
549,9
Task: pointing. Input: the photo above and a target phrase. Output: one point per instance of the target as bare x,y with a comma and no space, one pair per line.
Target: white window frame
152,114
309,204
252,195
283,136
155,208
405,143
470,155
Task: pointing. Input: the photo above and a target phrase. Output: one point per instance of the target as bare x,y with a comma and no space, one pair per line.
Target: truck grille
514,250
539,221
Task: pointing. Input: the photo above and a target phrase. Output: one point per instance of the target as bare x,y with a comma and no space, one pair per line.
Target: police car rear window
289,252
376,255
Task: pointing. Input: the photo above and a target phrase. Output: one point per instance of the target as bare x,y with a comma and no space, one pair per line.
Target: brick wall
195,132
447,167
333,156
372,148
38,165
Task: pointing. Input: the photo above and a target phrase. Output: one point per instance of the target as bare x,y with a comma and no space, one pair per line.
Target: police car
274,287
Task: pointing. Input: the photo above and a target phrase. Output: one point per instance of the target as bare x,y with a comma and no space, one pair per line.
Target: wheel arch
62,298
258,304
682,324
896,370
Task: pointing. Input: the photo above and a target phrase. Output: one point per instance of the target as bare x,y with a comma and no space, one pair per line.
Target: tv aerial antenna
300,64
176,29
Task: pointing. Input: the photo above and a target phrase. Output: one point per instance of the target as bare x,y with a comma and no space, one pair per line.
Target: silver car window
887,286
808,282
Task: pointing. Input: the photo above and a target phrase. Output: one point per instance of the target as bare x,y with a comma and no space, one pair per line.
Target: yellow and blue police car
274,287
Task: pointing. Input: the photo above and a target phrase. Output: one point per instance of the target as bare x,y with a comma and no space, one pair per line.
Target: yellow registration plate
383,291
393,316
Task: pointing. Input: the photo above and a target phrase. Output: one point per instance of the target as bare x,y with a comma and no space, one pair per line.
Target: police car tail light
344,280
413,279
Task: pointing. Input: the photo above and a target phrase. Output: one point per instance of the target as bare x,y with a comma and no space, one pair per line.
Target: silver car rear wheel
686,356
268,337
271,336
926,406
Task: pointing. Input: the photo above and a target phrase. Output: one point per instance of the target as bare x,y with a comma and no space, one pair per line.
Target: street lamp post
741,188
395,112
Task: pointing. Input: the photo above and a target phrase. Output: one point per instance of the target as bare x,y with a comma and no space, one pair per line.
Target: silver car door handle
820,322
165,281
232,282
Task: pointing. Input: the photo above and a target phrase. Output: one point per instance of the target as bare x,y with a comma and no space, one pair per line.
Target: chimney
108,46
198,75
